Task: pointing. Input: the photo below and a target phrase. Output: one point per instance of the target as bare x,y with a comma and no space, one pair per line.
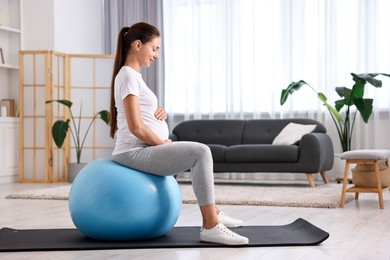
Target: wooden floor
359,231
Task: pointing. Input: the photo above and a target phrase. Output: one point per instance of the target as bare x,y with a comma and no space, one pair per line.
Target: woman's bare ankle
209,225
209,216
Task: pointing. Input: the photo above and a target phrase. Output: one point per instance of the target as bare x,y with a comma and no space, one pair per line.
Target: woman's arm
136,124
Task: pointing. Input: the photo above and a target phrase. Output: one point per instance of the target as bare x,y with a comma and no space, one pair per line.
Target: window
236,56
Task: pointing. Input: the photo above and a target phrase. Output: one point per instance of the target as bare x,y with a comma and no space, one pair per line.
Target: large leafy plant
60,127
344,120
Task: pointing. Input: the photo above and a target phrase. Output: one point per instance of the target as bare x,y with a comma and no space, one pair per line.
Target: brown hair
140,31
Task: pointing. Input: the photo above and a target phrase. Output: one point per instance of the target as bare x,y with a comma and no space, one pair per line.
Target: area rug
322,196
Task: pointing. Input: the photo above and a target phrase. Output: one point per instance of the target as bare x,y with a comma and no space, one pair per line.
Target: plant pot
74,169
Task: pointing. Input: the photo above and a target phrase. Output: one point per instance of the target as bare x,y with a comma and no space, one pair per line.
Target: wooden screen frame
55,167
93,88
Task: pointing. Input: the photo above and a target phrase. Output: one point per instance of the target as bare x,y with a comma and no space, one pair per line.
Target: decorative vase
73,170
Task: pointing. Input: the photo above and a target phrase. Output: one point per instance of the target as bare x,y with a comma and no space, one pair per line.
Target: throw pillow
292,133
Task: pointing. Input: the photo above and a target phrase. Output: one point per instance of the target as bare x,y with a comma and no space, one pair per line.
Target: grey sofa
246,146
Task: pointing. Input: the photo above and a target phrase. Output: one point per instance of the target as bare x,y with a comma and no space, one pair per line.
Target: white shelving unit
10,44
9,139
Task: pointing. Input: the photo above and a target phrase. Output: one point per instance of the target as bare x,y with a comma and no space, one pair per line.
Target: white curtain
231,59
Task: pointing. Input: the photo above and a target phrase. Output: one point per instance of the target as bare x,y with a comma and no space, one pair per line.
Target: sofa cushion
264,131
218,151
262,153
292,133
224,132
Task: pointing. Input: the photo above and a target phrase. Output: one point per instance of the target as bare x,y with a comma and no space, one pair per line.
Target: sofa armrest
315,153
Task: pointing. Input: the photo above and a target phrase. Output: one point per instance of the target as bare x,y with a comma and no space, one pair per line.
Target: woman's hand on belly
161,114
168,141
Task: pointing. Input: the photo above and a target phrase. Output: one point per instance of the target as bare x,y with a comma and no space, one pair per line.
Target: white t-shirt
128,81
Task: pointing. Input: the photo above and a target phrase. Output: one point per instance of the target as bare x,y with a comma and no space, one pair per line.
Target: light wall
69,26
37,25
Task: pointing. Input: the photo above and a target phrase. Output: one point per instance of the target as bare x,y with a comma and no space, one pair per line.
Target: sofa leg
311,180
324,177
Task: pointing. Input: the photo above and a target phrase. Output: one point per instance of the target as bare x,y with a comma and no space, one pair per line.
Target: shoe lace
227,231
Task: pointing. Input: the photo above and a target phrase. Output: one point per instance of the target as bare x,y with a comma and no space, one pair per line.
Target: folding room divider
47,75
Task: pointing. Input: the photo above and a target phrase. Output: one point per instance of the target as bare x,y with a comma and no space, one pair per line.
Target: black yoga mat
298,233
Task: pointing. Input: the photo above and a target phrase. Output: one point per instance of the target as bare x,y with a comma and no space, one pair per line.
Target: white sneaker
229,221
222,235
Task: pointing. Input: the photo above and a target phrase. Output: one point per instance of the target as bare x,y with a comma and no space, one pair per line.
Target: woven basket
363,175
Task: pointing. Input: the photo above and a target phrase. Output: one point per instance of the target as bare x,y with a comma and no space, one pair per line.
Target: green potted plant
344,120
60,130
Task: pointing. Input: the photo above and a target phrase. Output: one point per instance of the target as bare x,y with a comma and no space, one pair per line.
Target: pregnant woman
142,143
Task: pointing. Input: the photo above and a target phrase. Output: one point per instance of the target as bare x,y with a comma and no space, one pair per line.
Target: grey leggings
173,158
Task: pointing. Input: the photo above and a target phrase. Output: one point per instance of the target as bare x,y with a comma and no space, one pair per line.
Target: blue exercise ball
108,201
